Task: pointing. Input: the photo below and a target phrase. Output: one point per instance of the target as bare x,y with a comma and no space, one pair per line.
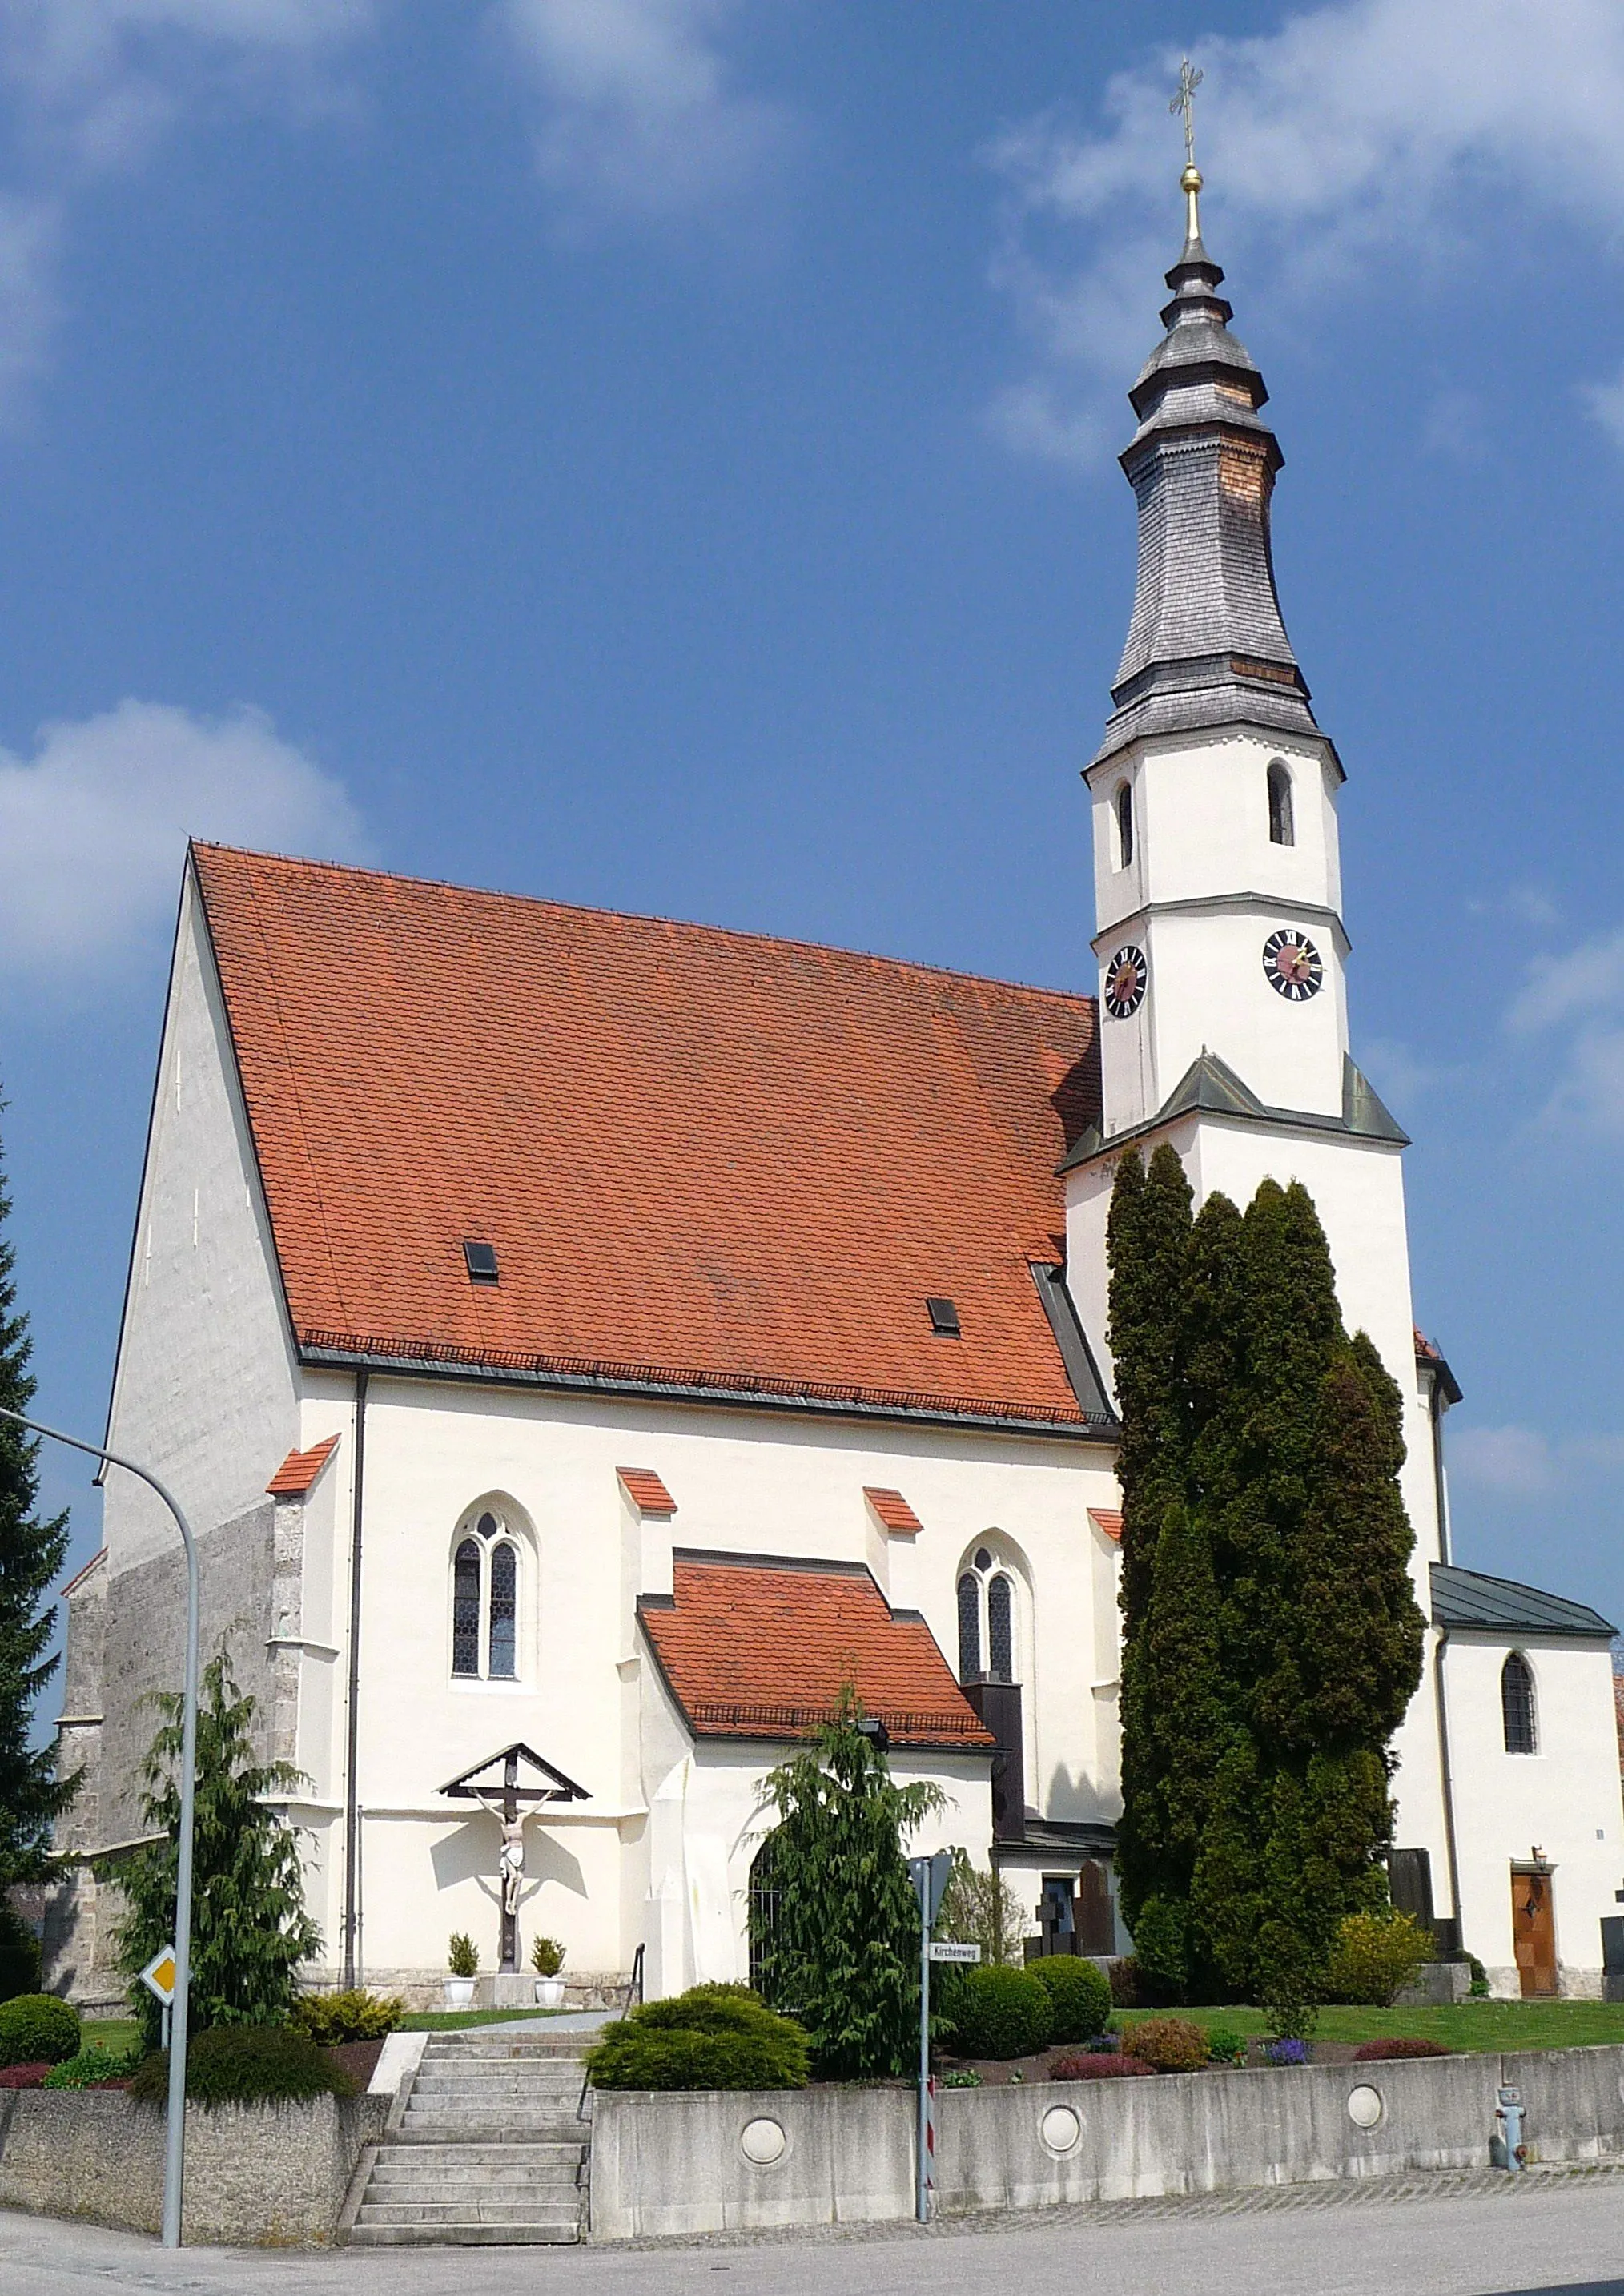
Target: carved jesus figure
512,1864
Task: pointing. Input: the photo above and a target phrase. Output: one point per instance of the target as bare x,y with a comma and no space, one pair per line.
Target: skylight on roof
481,1260
944,1318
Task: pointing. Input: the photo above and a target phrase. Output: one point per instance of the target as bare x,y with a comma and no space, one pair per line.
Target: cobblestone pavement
1551,2233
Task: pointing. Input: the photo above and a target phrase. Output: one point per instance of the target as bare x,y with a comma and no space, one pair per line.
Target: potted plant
547,1959
463,1962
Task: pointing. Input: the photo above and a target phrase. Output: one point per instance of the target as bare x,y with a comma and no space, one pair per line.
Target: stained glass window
1000,1629
504,1611
1517,1705
465,1609
968,1629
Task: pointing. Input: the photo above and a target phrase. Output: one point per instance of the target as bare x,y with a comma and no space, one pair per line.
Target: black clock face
1291,964
1126,977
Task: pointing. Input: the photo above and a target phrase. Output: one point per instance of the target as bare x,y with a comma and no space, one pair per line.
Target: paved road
1546,2237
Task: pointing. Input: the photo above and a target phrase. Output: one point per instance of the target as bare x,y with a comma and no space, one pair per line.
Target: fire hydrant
1508,2150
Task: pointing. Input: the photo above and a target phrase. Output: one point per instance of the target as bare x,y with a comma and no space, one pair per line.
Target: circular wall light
762,2143
1364,2106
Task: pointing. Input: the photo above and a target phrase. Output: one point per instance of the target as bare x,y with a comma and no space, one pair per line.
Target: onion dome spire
1206,645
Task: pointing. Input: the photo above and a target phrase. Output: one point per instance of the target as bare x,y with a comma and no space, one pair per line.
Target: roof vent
944,1318
481,1260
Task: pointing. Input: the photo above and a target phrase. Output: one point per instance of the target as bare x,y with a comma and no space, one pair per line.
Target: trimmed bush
714,2036
37,2026
1168,2044
92,2068
23,2075
462,1954
1091,2067
332,2019
1225,2048
1001,2014
246,2064
20,1960
1374,1957
1080,1994
1376,2052
546,1956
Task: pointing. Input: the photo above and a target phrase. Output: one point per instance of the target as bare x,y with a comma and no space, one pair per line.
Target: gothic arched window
1517,1705
1125,825
1282,830
986,1620
484,1602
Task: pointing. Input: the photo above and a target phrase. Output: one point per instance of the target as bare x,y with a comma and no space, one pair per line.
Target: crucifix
507,1802
1190,181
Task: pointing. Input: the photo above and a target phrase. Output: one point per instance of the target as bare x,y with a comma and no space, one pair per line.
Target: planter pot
459,1992
549,1992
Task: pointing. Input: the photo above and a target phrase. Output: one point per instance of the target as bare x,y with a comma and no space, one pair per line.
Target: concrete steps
488,2150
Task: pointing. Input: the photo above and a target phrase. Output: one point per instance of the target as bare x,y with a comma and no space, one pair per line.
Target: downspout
352,1808
1448,1784
1440,1486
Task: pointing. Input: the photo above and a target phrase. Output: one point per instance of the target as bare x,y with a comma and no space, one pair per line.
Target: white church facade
586,1342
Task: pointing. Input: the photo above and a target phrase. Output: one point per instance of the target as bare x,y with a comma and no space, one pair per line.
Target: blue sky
659,453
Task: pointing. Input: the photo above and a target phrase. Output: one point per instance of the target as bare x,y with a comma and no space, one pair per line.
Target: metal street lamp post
174,2144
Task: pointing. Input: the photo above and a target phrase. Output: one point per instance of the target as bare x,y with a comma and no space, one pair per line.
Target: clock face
1291,964
1126,977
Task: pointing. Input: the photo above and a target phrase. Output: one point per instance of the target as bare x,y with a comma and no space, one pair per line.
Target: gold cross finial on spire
1190,181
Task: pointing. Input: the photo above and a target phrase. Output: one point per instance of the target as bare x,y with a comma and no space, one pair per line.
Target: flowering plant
1288,2052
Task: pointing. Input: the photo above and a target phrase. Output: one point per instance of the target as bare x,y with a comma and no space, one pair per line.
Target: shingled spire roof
1206,646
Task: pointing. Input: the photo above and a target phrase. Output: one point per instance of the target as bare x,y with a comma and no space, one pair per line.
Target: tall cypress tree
31,1551
1271,1639
1147,1243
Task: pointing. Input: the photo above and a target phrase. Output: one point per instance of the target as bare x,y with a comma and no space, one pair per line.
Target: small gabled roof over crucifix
501,1774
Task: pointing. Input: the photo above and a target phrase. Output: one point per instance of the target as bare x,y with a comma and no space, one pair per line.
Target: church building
585,1343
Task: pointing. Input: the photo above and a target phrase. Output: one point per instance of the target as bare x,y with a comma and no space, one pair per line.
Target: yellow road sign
158,1975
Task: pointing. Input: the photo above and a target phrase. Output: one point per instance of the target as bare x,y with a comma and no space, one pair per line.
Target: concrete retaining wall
258,2174
717,2162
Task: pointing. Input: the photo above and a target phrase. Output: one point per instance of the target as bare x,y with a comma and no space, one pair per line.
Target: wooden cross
1189,80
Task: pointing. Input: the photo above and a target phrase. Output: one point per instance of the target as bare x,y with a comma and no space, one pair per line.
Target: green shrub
91,2068
20,1959
1374,1957
1168,2044
246,2064
331,2018
715,2037
1001,2014
1125,1983
38,2028
1080,1994
1225,2047
546,1956
462,1956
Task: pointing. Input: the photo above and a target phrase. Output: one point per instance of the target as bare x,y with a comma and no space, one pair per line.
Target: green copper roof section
1209,1087
1473,1600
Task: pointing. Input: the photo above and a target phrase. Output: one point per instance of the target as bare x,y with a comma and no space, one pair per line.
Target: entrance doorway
1533,1929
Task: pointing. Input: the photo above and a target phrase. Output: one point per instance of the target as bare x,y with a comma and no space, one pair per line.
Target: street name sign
941,1950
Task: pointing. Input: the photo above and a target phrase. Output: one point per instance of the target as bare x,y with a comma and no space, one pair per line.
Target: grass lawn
1467,2025
110,2032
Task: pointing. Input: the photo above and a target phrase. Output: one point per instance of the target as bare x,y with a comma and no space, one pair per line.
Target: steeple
1206,646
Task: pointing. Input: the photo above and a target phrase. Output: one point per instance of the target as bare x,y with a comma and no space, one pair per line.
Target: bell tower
1216,884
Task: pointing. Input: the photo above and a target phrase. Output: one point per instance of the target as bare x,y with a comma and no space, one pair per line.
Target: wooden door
1533,1928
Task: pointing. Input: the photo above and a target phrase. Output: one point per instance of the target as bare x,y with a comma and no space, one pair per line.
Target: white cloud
1357,135
640,114
1513,1462
1571,1006
1583,982
89,86
93,825
1521,1462
1605,401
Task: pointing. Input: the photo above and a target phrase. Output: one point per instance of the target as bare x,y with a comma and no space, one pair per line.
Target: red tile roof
893,1510
1108,1520
646,1492
705,1158
758,1649
298,1471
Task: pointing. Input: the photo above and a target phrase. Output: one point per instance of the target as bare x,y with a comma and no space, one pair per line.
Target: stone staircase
489,2151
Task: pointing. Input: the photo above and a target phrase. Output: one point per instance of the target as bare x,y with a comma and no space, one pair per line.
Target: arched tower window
987,1640
1282,830
1125,825
485,1588
1517,1705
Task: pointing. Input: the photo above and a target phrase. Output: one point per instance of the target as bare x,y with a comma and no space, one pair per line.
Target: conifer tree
841,1950
250,1928
1273,1641
31,1551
